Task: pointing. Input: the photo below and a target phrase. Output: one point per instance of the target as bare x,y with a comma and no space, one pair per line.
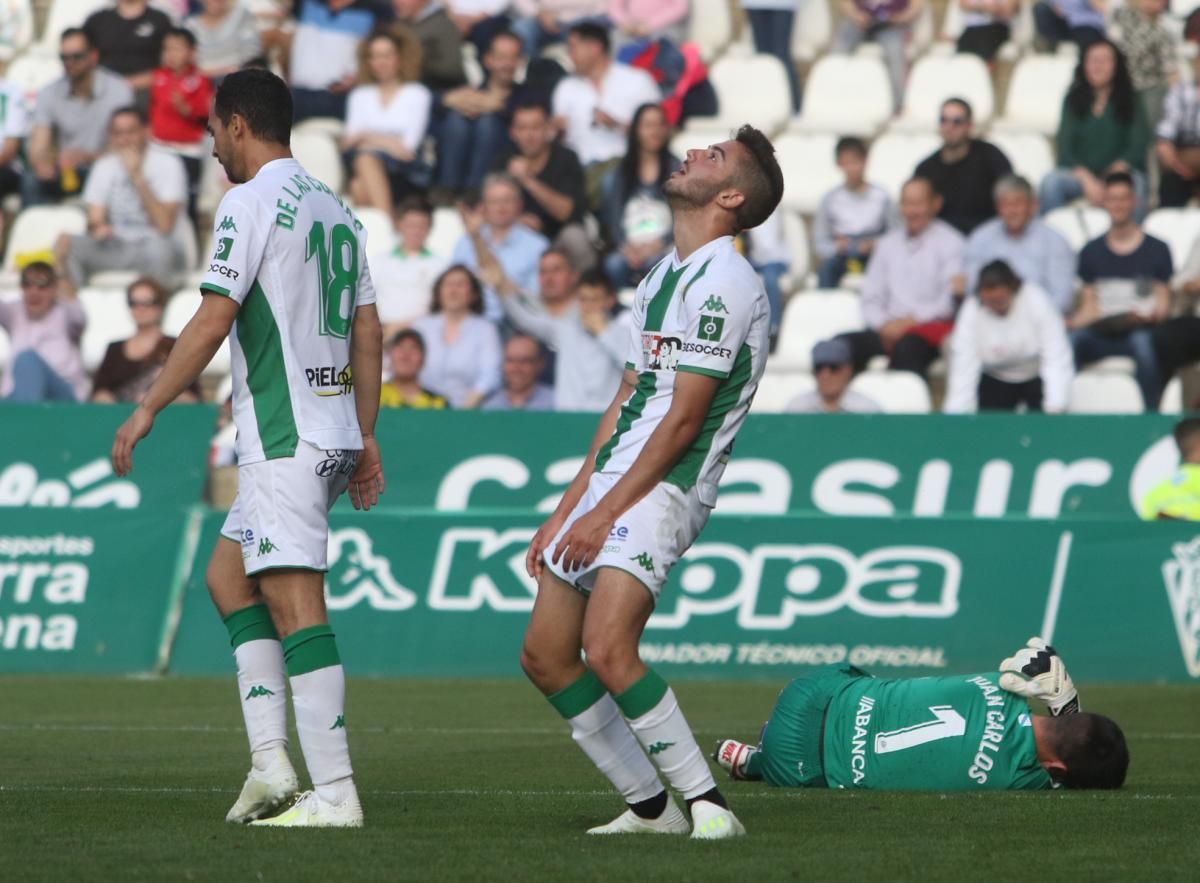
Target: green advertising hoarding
445,595
57,457
929,466
84,594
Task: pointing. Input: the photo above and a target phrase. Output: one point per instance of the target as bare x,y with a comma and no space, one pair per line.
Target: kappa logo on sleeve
714,304
227,224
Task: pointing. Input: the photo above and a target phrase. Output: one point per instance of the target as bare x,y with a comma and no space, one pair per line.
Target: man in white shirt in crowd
495,227
1009,348
133,196
595,106
44,331
850,218
323,62
1018,237
405,275
521,390
912,282
833,370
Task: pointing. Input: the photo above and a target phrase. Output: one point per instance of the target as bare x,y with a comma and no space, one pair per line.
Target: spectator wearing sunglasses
964,170
44,327
833,368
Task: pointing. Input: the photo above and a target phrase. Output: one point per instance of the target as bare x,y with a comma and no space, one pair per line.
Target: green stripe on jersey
699,275
266,375
630,412
684,474
656,309
214,288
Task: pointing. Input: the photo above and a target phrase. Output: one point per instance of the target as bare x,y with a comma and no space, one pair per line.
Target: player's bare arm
575,491
366,346
197,344
665,446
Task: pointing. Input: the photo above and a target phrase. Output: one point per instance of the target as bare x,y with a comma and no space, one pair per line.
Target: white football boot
310,811
265,790
672,821
712,822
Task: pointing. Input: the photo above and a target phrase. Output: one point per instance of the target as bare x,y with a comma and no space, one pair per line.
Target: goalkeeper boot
712,822
266,789
734,757
310,811
672,821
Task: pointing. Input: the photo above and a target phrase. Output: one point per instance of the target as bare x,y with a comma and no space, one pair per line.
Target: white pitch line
1062,556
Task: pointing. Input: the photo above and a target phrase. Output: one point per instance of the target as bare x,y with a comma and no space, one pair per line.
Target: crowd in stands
546,128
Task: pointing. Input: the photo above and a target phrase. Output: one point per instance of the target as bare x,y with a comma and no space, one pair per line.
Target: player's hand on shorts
582,543
1036,671
132,431
545,534
366,484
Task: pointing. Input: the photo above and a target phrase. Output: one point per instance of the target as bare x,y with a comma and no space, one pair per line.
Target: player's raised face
704,174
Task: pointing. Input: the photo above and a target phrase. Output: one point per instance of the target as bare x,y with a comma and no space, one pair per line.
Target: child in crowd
850,218
179,100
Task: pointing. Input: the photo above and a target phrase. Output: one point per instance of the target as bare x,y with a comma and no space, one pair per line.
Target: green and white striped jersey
293,255
707,315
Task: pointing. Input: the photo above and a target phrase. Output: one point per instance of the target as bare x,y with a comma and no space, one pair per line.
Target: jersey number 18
337,269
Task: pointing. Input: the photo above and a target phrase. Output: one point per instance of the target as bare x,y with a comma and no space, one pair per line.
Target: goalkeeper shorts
281,513
646,541
792,753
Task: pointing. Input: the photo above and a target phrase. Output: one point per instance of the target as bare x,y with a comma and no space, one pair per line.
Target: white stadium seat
812,31
777,388
331,126
381,235
1029,153
1078,224
895,156
33,71
809,317
710,26
180,309
751,88
1178,227
1172,397
952,22
795,232
809,169
845,95
37,228
318,153
67,14
1035,94
447,230
896,392
108,320
935,78
1099,392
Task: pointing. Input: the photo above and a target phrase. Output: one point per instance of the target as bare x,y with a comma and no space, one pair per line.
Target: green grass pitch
115,779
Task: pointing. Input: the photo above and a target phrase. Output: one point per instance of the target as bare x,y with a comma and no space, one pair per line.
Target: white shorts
281,512
645,542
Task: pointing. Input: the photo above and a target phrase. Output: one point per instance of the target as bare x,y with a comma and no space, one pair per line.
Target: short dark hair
183,34
130,110
408,334
596,278
1093,749
561,252
590,30
1187,433
521,335
963,103
529,102
504,34
40,267
414,203
76,32
1115,179
996,274
260,98
476,289
850,144
760,180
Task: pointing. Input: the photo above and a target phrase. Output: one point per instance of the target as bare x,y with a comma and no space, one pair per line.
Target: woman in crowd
386,118
226,37
130,366
637,219
462,349
1103,129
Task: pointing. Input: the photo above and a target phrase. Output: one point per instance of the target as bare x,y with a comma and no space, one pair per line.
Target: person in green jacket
839,727
1103,129
1178,498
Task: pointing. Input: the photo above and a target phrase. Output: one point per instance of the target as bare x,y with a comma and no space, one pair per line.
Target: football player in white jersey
288,285
700,337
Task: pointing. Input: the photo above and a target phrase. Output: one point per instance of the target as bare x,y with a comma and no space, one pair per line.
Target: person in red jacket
180,97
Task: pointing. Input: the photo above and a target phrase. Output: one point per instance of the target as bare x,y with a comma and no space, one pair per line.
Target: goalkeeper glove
1036,671
735,758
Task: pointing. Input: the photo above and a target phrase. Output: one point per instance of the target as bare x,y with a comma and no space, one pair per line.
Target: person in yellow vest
1178,498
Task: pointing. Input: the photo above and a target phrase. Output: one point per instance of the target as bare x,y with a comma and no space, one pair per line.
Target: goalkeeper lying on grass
839,727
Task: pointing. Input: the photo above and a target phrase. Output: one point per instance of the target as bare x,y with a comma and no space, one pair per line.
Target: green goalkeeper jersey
930,734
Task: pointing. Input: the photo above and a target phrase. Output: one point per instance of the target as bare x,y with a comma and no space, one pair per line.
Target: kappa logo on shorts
660,747
266,547
644,561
